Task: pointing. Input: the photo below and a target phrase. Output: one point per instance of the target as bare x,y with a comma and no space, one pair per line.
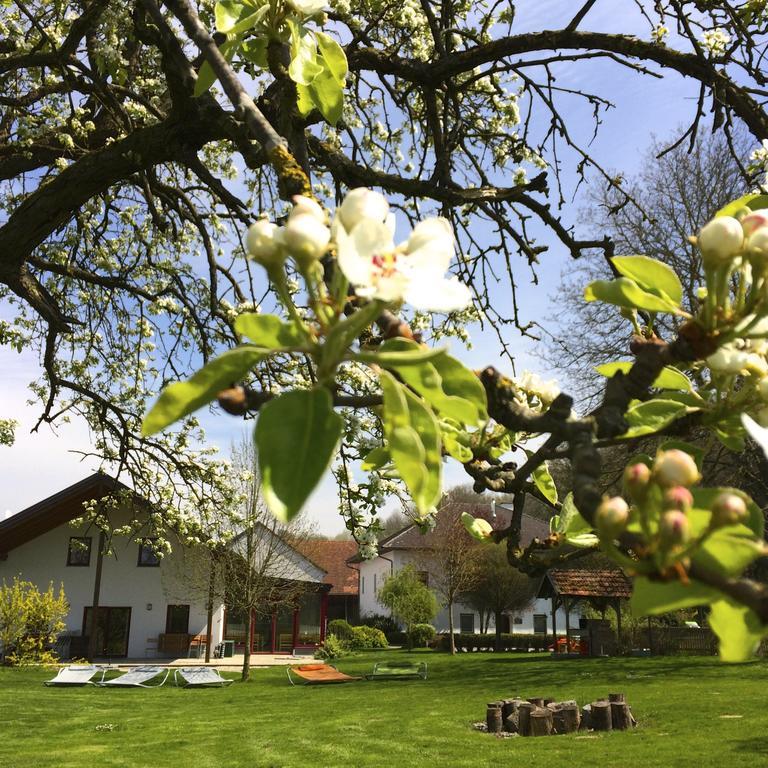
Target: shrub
422,635
381,621
29,621
341,629
367,637
332,648
487,642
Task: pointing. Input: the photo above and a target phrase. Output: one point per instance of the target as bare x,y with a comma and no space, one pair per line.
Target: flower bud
636,479
360,204
306,237
758,242
720,240
728,509
477,527
674,528
306,205
612,517
675,467
753,221
677,497
261,243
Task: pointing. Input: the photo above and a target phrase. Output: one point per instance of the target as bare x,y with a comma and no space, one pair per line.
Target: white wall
123,585
376,570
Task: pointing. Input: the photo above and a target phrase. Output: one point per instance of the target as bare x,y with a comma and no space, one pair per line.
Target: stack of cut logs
545,717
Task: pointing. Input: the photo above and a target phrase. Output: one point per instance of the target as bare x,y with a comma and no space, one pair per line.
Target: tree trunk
452,639
96,596
566,718
246,674
209,623
497,641
541,722
601,716
524,718
493,717
621,719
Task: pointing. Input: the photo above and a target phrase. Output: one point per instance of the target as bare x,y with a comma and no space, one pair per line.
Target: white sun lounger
79,674
199,677
138,677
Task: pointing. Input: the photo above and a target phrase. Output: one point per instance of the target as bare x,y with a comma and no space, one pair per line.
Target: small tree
29,621
408,599
499,588
453,561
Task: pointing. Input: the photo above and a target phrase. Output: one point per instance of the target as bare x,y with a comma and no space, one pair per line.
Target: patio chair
199,677
318,674
398,670
77,674
138,677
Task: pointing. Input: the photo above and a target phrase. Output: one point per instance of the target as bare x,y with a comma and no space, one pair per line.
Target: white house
410,547
148,606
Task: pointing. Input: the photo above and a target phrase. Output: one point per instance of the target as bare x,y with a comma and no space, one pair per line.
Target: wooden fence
662,641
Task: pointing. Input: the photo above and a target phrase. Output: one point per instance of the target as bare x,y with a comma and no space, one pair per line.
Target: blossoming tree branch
122,256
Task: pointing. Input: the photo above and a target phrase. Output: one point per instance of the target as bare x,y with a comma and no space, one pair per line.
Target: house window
148,557
79,552
467,623
540,623
517,620
177,620
423,577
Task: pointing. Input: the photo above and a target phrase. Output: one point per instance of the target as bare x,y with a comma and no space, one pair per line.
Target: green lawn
679,702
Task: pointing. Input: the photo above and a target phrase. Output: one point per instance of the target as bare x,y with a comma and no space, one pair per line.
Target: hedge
487,642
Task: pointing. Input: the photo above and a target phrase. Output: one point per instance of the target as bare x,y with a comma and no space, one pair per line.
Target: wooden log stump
493,717
541,721
621,718
537,701
509,715
566,718
524,718
600,715
586,718
547,702
617,697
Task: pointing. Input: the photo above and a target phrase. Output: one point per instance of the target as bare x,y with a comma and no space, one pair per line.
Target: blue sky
42,463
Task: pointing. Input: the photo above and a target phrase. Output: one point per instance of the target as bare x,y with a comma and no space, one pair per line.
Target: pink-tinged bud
678,498
636,479
674,528
612,517
675,467
753,221
728,509
720,240
758,242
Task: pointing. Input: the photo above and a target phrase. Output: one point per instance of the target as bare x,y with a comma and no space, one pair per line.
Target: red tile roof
602,582
331,556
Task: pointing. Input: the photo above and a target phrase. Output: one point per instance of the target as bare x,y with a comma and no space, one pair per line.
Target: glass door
262,633
284,641
112,629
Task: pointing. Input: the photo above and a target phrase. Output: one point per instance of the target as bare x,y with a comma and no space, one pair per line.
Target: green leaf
651,598
652,415
669,378
376,459
183,397
570,519
447,385
269,331
456,443
413,437
255,51
738,628
206,77
623,292
234,17
325,93
754,201
304,66
296,438
333,55
389,357
651,275
543,481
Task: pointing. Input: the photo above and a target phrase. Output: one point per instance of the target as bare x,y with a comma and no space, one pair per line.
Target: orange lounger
318,674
